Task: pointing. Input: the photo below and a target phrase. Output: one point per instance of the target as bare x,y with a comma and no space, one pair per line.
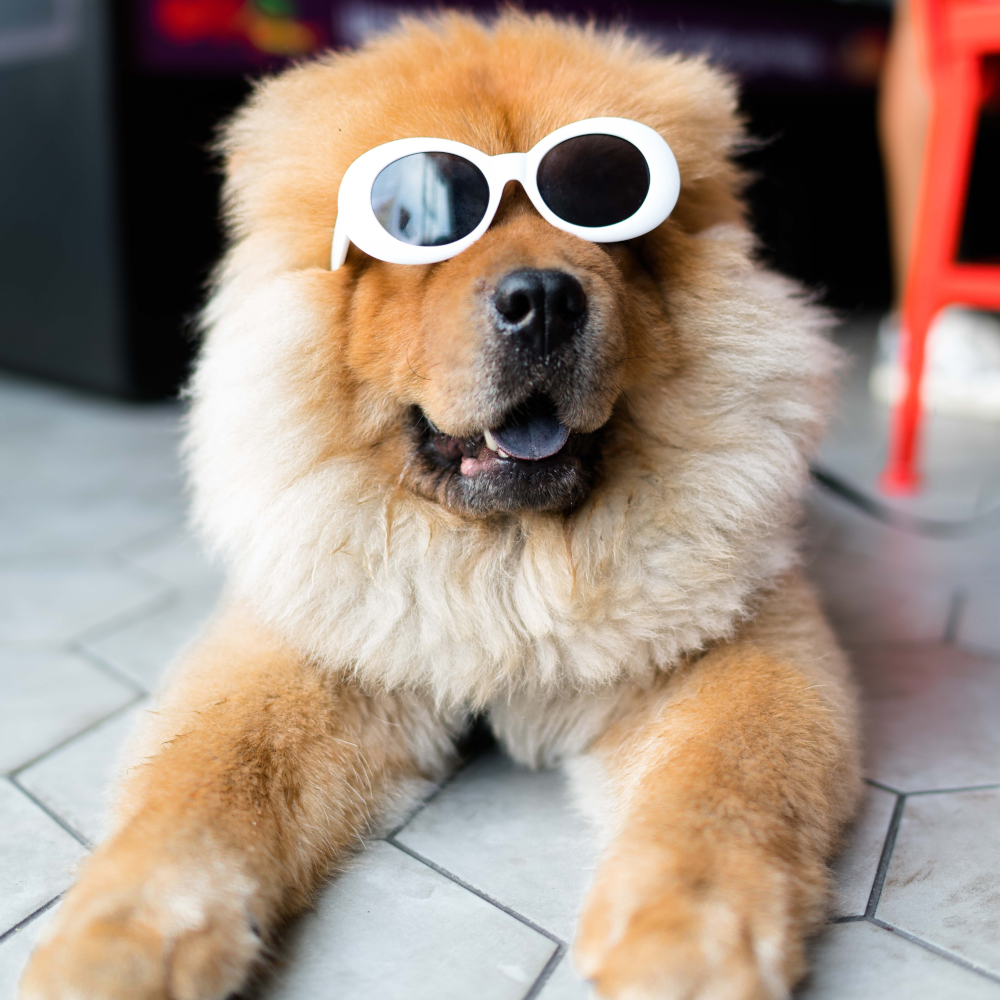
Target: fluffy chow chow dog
548,480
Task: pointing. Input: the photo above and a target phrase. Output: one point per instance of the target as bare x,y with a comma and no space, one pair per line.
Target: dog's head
531,330
670,387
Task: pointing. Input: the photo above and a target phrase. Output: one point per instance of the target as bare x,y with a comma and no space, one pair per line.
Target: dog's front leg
259,773
725,791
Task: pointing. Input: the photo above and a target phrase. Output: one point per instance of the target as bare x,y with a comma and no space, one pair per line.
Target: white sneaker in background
961,368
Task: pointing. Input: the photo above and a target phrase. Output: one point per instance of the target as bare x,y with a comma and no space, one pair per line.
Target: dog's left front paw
655,928
149,922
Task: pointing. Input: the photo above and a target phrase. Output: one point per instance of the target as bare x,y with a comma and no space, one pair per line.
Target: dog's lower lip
477,466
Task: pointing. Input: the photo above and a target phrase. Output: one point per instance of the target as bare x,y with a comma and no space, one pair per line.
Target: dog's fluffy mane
694,515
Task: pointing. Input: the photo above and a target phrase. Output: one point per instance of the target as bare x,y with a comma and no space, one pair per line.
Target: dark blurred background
108,195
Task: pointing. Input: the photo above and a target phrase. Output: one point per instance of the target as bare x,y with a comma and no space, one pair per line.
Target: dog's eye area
430,199
593,180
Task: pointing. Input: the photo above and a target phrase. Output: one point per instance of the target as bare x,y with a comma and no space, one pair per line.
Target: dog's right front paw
178,936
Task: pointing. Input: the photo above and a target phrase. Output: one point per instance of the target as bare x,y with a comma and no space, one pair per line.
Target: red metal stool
956,36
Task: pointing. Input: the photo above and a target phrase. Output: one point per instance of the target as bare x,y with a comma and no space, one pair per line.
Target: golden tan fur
655,636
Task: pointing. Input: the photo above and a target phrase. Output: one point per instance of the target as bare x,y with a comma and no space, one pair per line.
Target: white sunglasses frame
357,224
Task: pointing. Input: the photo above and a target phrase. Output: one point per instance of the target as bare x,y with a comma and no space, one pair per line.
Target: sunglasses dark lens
593,180
429,199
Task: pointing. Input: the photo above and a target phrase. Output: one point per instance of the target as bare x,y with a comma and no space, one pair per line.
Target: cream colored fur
666,557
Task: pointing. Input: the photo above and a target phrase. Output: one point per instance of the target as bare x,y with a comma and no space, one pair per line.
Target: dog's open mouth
530,461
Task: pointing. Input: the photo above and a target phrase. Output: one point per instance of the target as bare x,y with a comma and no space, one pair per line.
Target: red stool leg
950,137
901,477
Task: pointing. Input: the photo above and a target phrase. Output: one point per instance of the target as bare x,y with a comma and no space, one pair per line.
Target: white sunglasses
419,201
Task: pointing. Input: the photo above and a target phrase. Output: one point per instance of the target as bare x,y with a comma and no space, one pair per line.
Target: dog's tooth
491,442
502,453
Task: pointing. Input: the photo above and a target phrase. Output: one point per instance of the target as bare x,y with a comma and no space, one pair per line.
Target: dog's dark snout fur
541,309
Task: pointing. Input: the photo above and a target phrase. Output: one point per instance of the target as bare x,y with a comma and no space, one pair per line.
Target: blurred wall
61,302
109,196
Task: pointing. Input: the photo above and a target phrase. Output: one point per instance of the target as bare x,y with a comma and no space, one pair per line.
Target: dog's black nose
542,309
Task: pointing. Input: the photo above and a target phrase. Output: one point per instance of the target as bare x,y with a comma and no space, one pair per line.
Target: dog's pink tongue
537,437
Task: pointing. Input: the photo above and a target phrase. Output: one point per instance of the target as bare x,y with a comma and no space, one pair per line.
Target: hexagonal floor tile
15,949
868,601
392,928
979,623
74,782
176,557
78,525
855,869
37,856
833,524
564,983
512,834
53,600
861,961
145,648
49,697
931,716
943,882
65,443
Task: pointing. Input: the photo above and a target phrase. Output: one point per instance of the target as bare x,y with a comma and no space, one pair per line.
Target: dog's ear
249,147
695,107
234,150
282,161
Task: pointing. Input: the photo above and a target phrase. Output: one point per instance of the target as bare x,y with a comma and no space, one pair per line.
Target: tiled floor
476,895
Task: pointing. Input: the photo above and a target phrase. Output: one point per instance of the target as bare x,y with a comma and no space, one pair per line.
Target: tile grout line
148,540
424,803
175,592
932,791
21,924
54,816
120,710
546,974
937,950
885,788
476,892
884,858
955,609
956,790
168,597
107,668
